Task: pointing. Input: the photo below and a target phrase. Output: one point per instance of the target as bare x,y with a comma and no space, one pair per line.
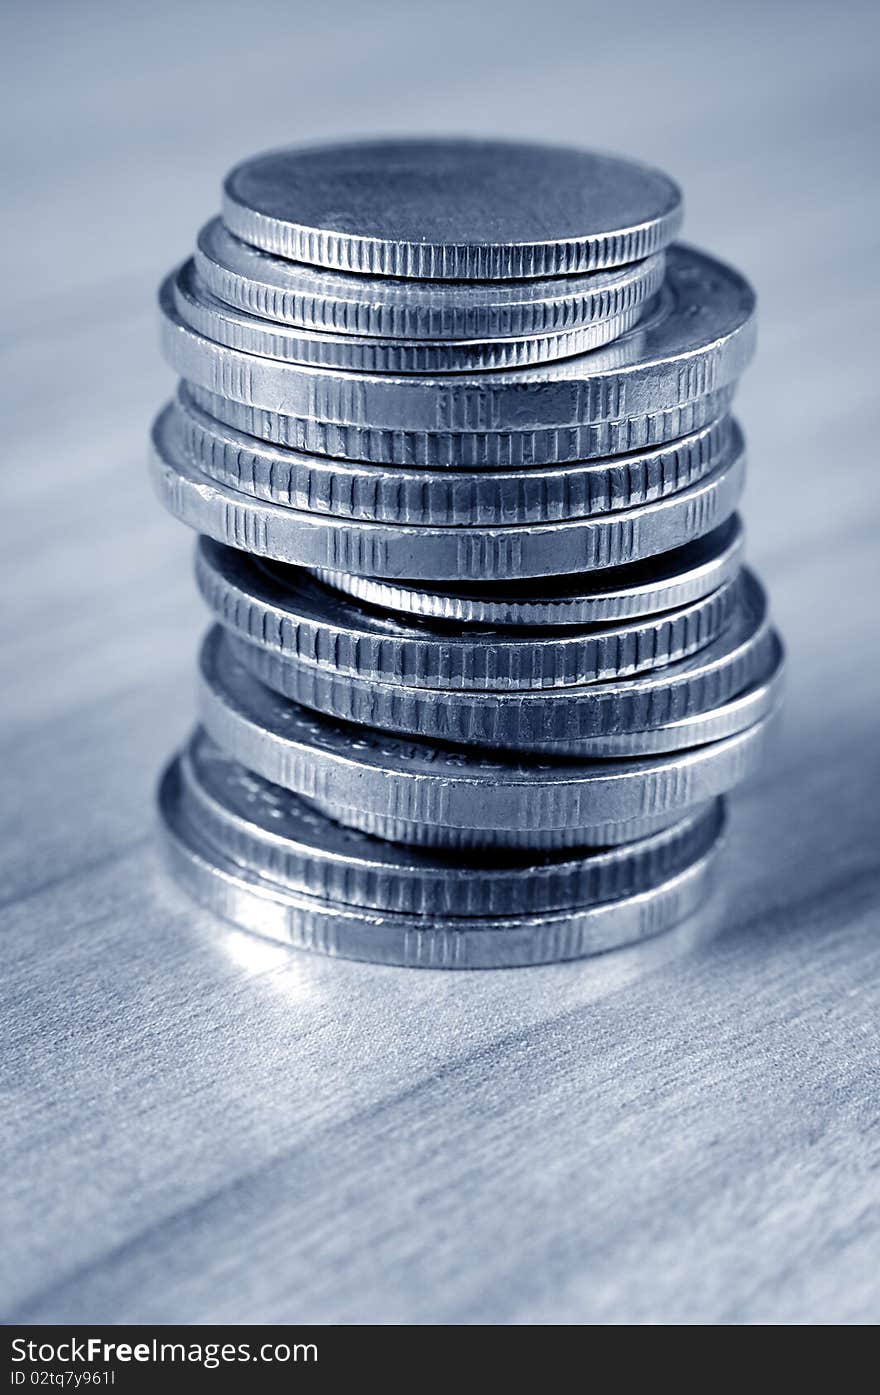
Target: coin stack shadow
460,456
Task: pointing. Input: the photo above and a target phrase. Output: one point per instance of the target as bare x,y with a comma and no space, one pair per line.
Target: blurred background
149,1059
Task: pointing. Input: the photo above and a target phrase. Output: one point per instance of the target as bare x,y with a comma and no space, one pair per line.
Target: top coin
463,210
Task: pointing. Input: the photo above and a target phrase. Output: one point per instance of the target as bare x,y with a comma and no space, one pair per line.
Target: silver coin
697,340
476,450
284,609
431,942
526,720
392,308
451,554
459,210
355,767
660,583
236,329
460,498
274,833
468,840
761,697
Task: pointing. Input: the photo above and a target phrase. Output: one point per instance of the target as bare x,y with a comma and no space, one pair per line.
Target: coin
526,720
288,611
451,209
274,833
476,450
747,706
237,329
378,549
351,766
659,583
393,308
461,498
697,340
428,835
737,713
266,907
755,702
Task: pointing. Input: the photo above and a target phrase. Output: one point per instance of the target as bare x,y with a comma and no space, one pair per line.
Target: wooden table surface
198,1125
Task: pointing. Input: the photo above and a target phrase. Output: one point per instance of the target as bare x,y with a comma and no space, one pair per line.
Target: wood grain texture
200,1126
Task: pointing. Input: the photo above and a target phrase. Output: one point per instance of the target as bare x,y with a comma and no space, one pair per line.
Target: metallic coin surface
286,610
526,720
660,583
378,549
755,702
451,209
428,835
697,339
762,695
458,498
393,308
237,329
274,833
269,908
479,449
356,767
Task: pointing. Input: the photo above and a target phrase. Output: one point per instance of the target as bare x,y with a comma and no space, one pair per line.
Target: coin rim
355,353
378,549
520,722
405,881
416,496
445,260
613,604
414,942
660,380
490,449
551,795
290,292
300,619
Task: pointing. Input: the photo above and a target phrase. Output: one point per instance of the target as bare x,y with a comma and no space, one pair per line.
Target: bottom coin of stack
265,858
381,845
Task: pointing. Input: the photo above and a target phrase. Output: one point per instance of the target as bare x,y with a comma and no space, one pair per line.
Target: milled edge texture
331,630
329,928
568,303
383,493
312,866
448,261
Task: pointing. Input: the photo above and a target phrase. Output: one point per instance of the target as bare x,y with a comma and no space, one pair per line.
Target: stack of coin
453,425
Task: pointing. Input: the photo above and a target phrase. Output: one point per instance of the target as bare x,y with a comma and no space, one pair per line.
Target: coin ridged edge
514,721
577,607
324,927
463,888
455,403
568,303
311,348
383,493
553,795
298,622
742,710
317,540
525,841
475,449
454,261
517,720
